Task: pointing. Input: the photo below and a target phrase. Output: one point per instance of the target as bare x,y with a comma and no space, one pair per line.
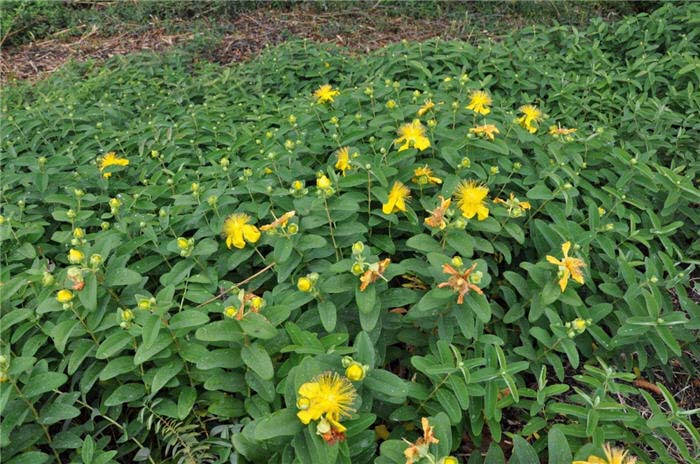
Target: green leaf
42,383
125,394
150,330
256,325
480,305
164,374
187,319
87,450
255,357
559,451
386,383
523,452
144,353
461,242
185,401
327,313
88,295
424,243
540,192
495,455
30,457
278,424
122,276
366,300
220,331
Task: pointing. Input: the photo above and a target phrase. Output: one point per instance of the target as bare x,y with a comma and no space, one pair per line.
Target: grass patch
163,304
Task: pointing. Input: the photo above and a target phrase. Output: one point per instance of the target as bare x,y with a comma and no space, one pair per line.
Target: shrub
163,302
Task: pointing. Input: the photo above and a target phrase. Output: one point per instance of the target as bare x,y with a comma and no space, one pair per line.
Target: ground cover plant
439,252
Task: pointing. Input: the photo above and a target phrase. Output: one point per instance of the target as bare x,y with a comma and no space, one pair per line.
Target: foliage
172,346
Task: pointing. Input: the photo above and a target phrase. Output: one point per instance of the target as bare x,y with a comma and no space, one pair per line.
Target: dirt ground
241,39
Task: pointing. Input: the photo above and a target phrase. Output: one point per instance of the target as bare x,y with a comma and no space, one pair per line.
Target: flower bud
355,372
457,261
64,296
75,256
47,279
79,233
293,228
70,214
127,315
358,248
95,259
304,284
475,277
357,269
323,182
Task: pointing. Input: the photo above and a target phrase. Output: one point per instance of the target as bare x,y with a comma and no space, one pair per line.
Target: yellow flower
328,395
530,114
183,243
397,198
279,222
75,256
487,131
111,159
237,231
412,135
568,267
304,284
437,216
355,372
64,296
470,199
391,104
424,175
480,102
326,93
427,106
612,456
343,163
